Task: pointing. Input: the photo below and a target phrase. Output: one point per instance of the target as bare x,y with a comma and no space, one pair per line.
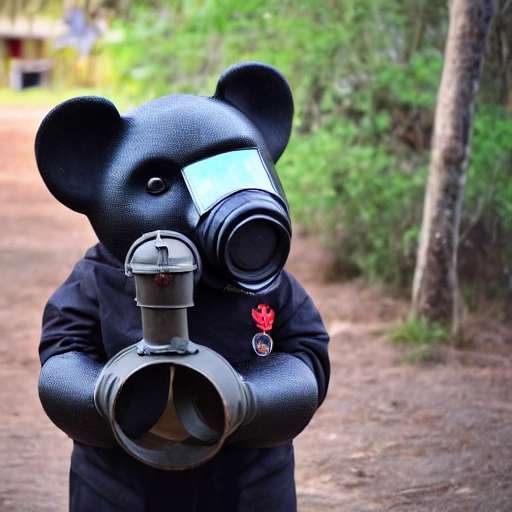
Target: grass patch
421,340
419,331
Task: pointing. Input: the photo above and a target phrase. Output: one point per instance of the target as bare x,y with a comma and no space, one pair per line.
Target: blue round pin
262,344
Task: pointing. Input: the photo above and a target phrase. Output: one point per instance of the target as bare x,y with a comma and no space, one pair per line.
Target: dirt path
389,436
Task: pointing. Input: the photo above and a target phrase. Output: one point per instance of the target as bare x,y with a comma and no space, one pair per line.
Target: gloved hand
66,389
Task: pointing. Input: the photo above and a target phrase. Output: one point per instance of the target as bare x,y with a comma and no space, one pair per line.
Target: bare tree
435,286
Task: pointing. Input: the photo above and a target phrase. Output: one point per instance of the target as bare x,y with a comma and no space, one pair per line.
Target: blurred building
26,47
35,51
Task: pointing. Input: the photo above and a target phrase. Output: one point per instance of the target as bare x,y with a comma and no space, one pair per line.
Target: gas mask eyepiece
245,228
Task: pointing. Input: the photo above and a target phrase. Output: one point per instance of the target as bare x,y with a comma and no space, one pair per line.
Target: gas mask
244,227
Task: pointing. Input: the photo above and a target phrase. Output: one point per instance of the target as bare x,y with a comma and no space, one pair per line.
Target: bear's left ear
263,95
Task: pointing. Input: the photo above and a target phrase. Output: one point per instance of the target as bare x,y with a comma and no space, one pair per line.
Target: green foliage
420,339
489,188
360,195
364,75
485,252
419,331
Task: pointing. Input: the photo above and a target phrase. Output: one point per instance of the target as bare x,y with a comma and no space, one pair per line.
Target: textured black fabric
94,313
286,394
236,480
66,390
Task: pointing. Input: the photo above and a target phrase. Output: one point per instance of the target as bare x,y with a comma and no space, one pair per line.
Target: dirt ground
390,436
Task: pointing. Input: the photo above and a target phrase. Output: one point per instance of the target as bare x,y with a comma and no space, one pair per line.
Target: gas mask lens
219,176
244,230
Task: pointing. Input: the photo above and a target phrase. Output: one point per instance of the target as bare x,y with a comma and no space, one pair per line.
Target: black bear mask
126,172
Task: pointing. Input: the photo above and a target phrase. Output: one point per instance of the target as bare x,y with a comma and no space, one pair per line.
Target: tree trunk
435,287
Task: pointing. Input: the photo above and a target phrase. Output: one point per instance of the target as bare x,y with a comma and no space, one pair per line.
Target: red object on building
14,48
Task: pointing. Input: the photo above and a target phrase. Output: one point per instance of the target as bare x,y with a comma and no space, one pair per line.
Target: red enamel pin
262,343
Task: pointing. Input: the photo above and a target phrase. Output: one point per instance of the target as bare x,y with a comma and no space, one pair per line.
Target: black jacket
94,313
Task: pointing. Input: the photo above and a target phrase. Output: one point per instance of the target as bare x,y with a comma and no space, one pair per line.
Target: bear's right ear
74,145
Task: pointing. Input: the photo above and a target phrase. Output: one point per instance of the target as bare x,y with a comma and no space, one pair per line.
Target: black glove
66,390
284,395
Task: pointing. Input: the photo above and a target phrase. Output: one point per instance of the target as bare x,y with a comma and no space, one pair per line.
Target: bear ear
263,95
73,146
